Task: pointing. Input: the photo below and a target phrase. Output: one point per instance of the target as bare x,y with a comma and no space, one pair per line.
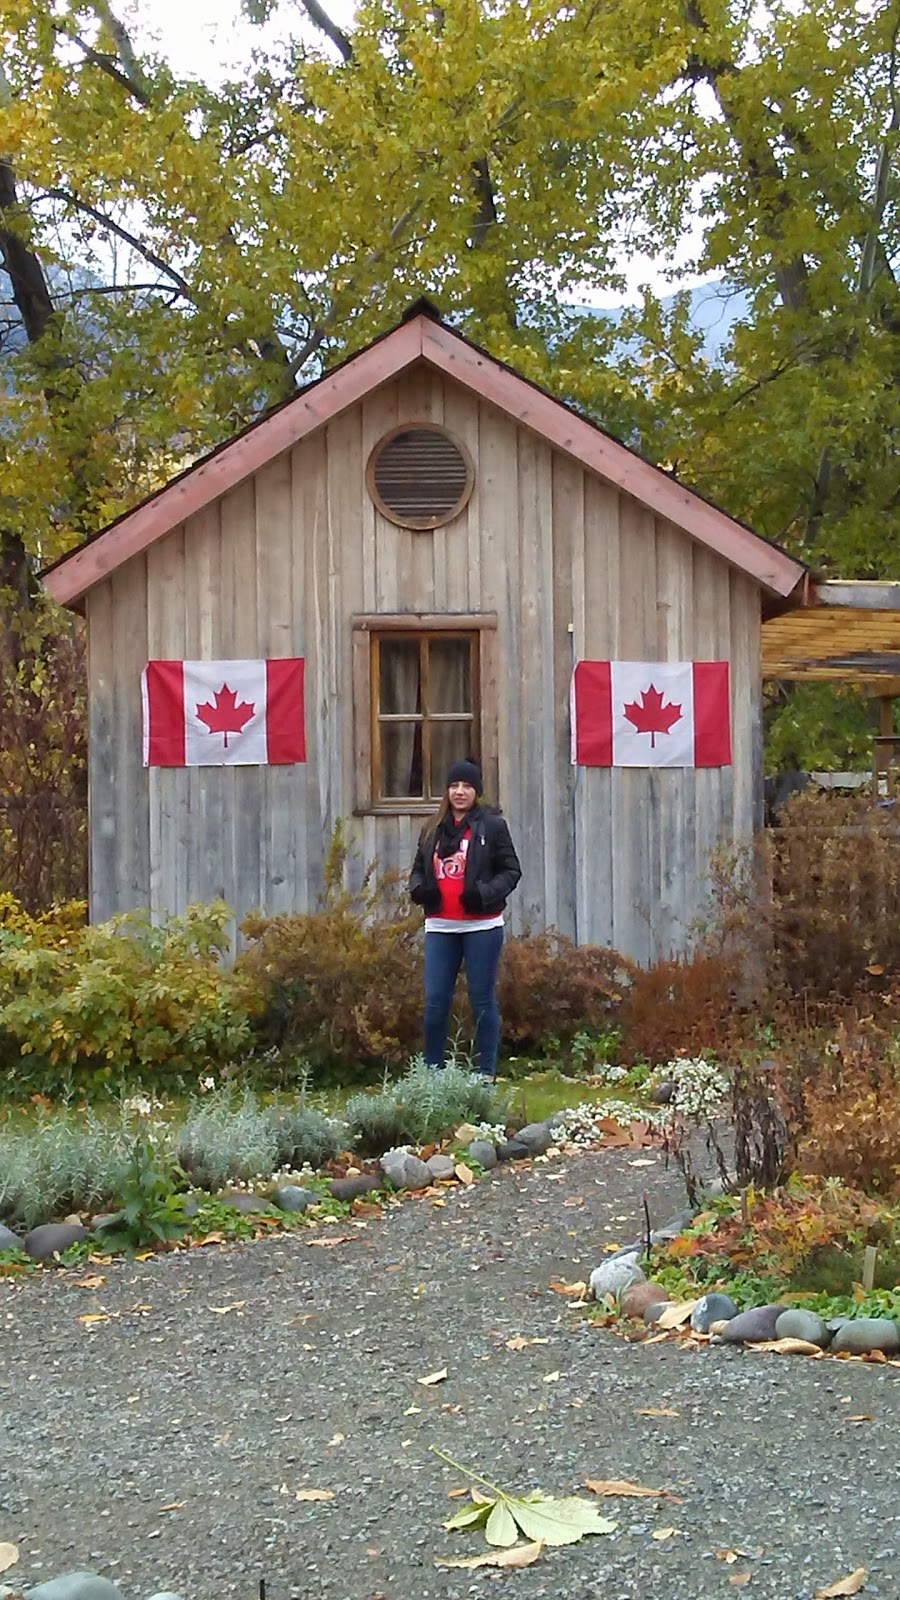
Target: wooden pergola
846,631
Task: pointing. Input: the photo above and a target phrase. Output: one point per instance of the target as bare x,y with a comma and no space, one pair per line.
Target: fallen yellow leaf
333,1239
520,1555
657,1411
220,1311
94,1316
663,1533
93,1281
740,1578
852,1584
559,1286
729,1556
787,1347
551,1377
624,1487
454,1494
521,1343
464,1173
314,1494
862,1416
337,1438
174,1505
9,1555
676,1316
432,1377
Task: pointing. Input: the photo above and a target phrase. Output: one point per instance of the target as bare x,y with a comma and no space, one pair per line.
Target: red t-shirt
450,873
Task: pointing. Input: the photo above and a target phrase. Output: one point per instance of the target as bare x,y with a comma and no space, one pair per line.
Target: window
420,477
419,704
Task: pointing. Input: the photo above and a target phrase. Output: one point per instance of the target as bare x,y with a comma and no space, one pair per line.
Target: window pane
401,760
449,675
450,741
400,689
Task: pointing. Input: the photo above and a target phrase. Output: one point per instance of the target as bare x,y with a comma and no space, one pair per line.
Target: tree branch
67,198
134,72
324,23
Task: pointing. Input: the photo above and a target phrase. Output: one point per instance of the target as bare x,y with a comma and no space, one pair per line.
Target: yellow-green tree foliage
206,247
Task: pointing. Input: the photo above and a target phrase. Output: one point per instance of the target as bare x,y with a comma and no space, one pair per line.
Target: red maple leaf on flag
226,716
653,715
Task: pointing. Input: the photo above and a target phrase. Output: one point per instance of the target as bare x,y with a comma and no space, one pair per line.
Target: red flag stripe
712,714
592,744
285,723
164,714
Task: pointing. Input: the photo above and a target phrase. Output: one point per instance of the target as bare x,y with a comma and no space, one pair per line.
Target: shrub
228,1138
62,1165
342,983
682,1006
422,1106
550,987
122,1002
306,1137
835,872
855,1136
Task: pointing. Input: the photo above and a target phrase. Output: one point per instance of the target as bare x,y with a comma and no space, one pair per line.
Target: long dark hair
430,827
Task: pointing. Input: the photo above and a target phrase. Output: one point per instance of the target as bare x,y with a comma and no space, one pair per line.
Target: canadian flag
651,714
223,713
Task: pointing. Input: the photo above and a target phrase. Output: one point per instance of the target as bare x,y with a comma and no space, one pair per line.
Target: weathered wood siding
280,565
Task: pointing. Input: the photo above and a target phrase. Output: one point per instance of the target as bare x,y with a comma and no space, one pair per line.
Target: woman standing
464,869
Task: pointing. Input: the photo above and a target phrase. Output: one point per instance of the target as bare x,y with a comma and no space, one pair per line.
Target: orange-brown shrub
854,1136
342,984
682,1006
849,1112
835,911
549,987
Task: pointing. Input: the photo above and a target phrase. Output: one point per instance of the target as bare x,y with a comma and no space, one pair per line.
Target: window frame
367,631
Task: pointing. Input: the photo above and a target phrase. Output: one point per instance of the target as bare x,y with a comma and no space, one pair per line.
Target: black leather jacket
492,866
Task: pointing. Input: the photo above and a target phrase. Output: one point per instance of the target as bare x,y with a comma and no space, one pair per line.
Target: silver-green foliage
62,1165
425,1104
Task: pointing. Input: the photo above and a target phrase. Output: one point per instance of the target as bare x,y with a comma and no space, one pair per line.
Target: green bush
230,1137
422,1106
121,1003
342,983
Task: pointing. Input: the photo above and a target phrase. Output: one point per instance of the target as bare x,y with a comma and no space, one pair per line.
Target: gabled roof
421,336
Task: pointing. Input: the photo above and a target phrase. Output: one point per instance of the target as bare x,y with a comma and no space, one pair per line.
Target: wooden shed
440,541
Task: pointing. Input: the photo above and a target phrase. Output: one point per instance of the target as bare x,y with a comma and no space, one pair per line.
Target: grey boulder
752,1327
511,1150
405,1171
611,1277
712,1308
8,1239
536,1137
355,1187
441,1166
51,1238
291,1197
249,1205
75,1586
484,1152
864,1334
798,1324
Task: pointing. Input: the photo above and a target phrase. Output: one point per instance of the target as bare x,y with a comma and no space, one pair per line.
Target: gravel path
164,1446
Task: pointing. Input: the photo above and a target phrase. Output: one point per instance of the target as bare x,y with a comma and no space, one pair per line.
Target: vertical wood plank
243,786
500,587
462,537
282,786
104,890
674,785
567,512
597,786
170,819
635,800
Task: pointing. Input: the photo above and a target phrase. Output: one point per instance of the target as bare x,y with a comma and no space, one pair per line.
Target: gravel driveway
164,1445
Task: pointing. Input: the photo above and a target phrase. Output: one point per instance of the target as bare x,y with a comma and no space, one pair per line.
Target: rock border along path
156,1427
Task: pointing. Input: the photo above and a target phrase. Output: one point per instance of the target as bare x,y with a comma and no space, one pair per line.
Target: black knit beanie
466,772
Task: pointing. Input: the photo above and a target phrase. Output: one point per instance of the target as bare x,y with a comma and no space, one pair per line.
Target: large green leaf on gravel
558,1521
470,1516
501,1525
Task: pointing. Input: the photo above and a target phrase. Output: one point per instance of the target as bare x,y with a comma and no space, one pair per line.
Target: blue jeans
444,954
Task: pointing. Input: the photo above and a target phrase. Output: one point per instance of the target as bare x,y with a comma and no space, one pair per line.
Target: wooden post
868,1277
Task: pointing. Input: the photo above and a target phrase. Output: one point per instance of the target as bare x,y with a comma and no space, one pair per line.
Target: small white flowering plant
698,1086
583,1125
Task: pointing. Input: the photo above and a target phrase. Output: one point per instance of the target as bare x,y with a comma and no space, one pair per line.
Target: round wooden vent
420,477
